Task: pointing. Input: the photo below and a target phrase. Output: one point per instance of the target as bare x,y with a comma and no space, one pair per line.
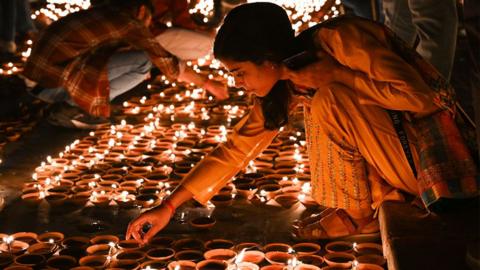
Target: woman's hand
156,218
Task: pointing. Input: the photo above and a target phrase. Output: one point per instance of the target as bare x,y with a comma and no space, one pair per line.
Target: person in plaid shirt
90,57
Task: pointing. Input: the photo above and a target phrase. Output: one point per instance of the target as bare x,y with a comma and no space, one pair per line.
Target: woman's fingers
151,233
130,231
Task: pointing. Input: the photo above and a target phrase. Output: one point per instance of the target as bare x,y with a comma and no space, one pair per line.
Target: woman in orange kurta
346,73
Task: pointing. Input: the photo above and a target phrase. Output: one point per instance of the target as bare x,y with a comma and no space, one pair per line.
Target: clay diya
18,267
339,259
156,178
226,190
273,267
304,266
311,259
286,200
76,242
124,264
278,257
43,248
339,246
202,222
34,198
27,237
136,255
15,247
253,256
94,261
243,266
104,239
61,262
161,241
77,253
182,265
147,200
30,260
99,249
219,244
368,266
221,254
100,199
155,265
188,243
222,200
211,265
246,190
51,237
160,254
277,247
306,248
80,199
371,259
270,190
368,248
131,244
189,255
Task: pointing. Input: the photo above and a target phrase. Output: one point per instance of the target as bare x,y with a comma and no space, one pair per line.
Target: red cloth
174,11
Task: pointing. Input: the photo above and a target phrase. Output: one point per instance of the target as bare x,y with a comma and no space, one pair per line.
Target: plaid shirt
73,53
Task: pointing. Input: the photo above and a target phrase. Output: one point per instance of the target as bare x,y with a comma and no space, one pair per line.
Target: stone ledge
414,239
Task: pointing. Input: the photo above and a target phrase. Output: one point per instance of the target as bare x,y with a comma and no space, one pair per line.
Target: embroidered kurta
73,53
356,159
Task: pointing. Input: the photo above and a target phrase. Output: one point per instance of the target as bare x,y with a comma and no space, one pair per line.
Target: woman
349,74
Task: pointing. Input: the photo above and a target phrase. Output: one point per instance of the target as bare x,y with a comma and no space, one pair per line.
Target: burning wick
355,265
292,263
8,240
239,258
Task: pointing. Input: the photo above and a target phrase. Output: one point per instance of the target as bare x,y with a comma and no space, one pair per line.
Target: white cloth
185,44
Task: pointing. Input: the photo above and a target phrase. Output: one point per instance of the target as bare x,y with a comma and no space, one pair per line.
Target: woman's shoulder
340,23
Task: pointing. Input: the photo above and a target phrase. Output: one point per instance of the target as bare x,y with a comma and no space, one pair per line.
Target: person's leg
53,95
24,20
126,69
398,17
9,14
436,24
361,8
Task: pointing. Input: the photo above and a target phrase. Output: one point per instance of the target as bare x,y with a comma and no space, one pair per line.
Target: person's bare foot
218,89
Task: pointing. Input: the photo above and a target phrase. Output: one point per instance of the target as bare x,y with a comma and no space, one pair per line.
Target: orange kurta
356,159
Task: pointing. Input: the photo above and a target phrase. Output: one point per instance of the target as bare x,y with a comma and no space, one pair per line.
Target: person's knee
144,63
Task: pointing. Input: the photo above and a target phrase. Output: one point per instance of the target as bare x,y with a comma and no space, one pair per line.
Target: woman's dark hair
259,32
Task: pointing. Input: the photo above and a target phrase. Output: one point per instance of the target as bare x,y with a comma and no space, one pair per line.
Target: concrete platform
414,239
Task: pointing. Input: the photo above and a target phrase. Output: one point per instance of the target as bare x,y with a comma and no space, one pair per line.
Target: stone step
414,239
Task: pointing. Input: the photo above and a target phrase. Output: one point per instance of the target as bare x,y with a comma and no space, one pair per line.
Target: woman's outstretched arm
248,139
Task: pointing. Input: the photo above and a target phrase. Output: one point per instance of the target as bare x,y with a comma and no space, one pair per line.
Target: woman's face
255,78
